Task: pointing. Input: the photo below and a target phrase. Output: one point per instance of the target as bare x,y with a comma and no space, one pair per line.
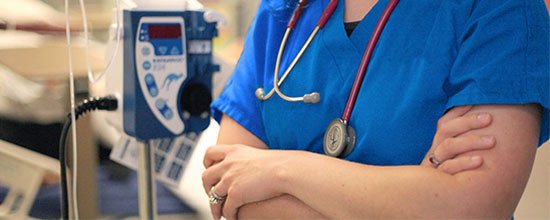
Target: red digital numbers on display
164,31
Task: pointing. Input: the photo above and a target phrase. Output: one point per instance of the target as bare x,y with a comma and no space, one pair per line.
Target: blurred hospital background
34,101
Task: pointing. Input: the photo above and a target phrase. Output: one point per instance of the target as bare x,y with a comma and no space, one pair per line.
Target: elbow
489,200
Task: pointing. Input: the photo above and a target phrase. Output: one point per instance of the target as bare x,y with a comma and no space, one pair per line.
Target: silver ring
436,162
213,198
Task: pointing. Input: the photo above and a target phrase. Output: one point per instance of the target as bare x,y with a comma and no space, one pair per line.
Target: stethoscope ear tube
296,14
327,13
314,97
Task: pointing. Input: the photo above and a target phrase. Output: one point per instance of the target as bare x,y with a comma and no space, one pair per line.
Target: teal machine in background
167,84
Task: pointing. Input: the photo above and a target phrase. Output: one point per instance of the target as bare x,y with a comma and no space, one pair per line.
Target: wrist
290,170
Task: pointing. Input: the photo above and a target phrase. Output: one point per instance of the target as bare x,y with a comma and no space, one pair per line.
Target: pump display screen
164,31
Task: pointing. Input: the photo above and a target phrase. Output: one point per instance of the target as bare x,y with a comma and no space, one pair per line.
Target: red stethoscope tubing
322,20
366,59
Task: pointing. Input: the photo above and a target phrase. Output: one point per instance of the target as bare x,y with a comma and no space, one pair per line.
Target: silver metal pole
146,182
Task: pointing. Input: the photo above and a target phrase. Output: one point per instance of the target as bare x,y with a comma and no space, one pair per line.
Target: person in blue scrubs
433,62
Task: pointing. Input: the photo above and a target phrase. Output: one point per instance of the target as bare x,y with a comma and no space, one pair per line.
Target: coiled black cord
109,103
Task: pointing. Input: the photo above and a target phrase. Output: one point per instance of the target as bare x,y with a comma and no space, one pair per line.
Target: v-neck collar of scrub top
351,48
364,28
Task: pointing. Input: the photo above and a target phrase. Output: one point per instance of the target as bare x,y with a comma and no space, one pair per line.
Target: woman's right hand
448,143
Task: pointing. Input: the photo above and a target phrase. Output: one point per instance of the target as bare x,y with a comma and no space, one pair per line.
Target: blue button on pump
151,85
145,51
164,109
146,65
160,104
149,79
163,50
174,51
154,91
168,113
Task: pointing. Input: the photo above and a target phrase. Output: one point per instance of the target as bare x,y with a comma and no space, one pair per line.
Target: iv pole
146,182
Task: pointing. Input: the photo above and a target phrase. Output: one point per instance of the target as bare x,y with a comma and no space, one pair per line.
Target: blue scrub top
432,56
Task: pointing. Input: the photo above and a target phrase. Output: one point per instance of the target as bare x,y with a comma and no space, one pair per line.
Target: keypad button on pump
160,104
166,112
163,50
147,65
174,51
145,51
151,85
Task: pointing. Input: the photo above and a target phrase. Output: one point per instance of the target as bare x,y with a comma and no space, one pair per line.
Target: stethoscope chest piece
339,139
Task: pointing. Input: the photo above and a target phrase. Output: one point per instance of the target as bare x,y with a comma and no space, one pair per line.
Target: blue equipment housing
168,71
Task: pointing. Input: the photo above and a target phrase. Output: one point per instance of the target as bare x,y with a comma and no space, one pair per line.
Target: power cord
109,103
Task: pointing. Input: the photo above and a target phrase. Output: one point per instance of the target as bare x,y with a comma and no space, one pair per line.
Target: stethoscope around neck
339,138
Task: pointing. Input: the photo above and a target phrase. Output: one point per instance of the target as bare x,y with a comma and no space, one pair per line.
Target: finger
212,175
216,210
460,164
455,112
451,147
460,125
215,154
222,187
231,206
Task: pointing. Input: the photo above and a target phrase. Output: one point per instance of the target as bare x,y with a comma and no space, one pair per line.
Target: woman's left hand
242,175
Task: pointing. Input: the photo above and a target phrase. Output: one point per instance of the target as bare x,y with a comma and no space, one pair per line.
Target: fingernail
487,139
476,159
483,117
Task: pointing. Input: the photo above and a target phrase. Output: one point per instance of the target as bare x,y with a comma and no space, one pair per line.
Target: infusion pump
168,70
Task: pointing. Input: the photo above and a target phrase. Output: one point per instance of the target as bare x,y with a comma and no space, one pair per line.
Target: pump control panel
167,73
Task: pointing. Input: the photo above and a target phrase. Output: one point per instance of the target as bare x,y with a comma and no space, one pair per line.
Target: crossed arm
296,189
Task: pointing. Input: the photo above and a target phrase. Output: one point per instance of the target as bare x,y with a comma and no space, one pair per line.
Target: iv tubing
87,43
73,119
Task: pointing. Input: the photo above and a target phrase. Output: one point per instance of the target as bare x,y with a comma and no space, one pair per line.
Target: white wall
535,203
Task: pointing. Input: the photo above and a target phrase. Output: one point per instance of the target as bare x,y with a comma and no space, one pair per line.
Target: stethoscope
339,138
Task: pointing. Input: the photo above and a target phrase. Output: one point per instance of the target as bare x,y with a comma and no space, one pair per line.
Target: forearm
281,207
352,190
372,192
364,191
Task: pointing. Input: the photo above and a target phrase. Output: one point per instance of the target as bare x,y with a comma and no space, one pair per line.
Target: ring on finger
436,162
214,198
